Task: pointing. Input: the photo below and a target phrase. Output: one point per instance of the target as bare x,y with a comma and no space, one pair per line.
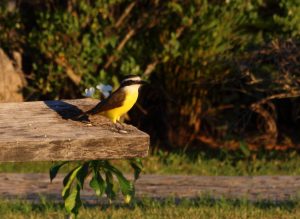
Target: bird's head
132,80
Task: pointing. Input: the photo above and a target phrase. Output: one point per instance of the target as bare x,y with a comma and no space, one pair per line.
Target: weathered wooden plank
45,130
253,188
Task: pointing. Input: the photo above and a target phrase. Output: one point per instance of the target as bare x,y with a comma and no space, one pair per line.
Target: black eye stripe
130,82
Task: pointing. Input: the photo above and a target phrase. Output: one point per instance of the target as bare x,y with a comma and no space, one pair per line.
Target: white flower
89,92
104,89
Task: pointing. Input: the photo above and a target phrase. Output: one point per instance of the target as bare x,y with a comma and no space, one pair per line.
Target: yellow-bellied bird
120,101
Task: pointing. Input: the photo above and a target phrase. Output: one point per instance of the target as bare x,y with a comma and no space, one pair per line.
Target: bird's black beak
144,82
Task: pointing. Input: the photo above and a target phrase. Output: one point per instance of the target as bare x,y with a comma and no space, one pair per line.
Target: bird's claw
120,128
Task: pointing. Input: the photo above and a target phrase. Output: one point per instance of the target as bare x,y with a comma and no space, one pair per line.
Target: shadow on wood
66,110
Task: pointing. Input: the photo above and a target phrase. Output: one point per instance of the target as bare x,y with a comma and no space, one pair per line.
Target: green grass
200,208
209,163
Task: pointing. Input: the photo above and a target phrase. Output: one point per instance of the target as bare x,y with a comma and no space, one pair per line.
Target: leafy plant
103,181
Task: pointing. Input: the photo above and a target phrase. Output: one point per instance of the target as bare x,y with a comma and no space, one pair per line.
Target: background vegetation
223,73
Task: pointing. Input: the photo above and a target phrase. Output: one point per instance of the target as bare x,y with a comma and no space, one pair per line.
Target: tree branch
127,37
71,74
275,96
125,14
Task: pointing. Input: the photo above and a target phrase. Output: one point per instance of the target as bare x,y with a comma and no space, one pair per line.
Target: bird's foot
120,128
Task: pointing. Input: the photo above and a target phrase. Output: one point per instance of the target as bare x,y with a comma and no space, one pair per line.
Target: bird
120,101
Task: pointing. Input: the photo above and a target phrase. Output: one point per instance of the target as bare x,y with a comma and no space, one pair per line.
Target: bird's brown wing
115,100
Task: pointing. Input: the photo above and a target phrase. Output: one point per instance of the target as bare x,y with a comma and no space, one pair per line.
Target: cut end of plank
47,131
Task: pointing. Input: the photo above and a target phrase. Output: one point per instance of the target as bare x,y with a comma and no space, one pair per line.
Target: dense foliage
220,71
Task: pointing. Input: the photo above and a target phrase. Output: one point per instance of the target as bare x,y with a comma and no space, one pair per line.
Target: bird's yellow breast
131,96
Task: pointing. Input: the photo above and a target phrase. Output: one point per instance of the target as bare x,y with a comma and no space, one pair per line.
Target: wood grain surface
47,130
254,188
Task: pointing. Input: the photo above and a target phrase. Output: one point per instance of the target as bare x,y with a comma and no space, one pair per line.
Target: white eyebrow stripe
137,78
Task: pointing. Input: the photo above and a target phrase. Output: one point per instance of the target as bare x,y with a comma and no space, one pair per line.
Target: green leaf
126,186
67,177
82,174
109,185
137,166
68,181
54,170
73,201
78,202
70,201
98,184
